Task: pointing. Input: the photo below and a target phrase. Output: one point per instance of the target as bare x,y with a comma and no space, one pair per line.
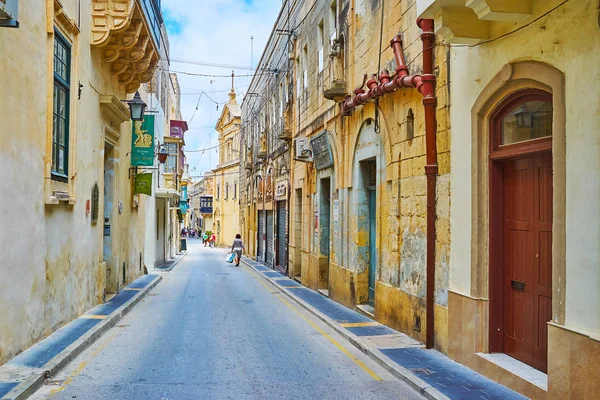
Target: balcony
128,33
469,21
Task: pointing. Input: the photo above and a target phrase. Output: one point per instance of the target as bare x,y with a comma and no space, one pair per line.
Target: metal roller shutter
270,239
261,233
282,243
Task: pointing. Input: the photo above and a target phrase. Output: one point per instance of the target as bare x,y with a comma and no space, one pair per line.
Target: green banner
143,184
142,142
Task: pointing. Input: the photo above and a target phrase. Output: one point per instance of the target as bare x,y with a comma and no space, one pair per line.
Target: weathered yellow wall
401,189
51,253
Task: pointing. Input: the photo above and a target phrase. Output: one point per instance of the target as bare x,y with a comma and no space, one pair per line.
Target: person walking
213,239
205,239
237,248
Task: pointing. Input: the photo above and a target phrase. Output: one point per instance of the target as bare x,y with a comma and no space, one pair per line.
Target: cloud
219,32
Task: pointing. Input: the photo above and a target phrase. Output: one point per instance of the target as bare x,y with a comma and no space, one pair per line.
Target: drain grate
422,371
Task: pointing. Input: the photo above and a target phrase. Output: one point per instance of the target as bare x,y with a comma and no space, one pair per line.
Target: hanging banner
142,142
143,184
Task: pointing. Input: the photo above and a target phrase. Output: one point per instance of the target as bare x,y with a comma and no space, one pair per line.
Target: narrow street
210,330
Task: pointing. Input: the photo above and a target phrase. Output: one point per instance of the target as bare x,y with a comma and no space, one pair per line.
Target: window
530,120
321,44
60,107
234,190
286,87
281,100
218,191
226,191
172,152
523,119
333,20
305,66
298,77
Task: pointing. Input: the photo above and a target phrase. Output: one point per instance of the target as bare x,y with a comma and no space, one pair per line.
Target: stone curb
174,264
375,354
38,375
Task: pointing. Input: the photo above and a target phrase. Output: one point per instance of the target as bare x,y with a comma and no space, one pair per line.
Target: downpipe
425,84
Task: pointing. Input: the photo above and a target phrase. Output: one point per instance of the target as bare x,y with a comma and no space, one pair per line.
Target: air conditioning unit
9,10
303,150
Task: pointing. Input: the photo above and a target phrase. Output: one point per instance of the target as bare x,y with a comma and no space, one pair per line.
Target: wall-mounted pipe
425,84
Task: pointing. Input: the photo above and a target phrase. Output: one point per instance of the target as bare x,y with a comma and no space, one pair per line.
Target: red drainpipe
425,84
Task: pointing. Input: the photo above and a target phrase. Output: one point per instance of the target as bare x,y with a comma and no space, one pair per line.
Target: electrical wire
511,32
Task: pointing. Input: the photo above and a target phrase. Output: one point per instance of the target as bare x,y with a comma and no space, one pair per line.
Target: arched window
523,119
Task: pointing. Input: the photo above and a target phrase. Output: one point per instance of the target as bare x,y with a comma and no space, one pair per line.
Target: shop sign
143,184
142,142
321,150
281,190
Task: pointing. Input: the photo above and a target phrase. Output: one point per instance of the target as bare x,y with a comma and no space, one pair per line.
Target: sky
214,31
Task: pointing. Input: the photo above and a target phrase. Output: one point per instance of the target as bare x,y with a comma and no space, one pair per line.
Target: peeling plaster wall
51,253
401,186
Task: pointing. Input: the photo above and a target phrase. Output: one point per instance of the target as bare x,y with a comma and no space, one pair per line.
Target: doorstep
518,368
366,309
324,292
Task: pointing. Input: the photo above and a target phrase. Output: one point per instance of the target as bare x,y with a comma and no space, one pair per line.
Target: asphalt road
210,330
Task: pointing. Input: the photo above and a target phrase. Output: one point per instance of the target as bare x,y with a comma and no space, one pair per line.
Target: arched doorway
521,214
368,175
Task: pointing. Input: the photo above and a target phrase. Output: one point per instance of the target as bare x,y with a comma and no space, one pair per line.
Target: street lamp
162,155
137,107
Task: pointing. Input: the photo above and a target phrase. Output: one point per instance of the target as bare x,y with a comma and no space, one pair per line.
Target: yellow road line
90,316
358,324
322,332
82,366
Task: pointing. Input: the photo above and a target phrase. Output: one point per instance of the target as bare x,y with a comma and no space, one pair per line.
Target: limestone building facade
226,175
490,255
524,252
74,230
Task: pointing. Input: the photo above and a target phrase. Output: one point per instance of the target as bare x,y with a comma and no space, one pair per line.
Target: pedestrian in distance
213,239
237,248
205,239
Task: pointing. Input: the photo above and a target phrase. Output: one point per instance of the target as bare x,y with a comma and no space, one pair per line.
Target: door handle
516,285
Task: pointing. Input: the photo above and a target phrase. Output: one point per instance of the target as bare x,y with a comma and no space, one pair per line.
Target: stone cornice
120,29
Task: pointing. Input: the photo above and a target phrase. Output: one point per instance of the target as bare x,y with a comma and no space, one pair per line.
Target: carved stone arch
384,141
513,78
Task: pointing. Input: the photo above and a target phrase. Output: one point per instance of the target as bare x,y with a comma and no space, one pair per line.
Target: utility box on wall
9,13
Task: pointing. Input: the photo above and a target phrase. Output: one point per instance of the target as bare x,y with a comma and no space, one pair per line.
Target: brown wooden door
527,237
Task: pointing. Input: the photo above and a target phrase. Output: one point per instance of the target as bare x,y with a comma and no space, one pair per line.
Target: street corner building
226,175
434,164
76,214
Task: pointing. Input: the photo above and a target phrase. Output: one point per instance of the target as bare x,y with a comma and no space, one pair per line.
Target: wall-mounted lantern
137,107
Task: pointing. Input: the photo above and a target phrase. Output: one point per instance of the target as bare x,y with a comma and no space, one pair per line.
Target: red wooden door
527,237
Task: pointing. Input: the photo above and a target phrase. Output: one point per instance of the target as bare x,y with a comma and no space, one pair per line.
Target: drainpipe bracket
431,169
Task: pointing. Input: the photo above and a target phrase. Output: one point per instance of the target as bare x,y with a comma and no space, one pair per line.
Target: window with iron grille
60,108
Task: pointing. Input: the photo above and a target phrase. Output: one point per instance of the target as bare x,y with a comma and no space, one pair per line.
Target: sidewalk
169,265
24,374
429,371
